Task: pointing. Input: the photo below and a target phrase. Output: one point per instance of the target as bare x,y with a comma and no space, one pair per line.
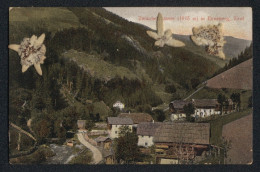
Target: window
116,125
146,144
116,132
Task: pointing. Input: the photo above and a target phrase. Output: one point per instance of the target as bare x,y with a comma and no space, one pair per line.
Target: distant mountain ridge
232,48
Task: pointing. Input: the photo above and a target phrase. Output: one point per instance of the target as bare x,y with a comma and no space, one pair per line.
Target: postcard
130,85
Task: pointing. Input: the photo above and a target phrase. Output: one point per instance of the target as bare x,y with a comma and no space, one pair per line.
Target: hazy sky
147,16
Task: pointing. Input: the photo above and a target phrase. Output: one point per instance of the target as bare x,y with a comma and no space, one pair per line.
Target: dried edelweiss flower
32,52
163,37
210,36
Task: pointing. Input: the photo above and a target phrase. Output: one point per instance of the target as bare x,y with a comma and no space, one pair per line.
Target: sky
237,21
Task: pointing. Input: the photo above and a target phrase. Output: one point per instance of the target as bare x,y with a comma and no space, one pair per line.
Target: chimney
128,112
153,121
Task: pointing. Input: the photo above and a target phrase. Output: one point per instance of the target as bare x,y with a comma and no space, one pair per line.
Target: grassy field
49,19
216,125
216,133
97,67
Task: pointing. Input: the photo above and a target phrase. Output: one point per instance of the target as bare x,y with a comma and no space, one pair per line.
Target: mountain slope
238,77
119,46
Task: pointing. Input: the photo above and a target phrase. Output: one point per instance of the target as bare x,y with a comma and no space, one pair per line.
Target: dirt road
97,156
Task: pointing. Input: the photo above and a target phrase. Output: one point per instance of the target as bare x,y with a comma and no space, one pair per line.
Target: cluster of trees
189,110
243,56
126,148
133,92
224,103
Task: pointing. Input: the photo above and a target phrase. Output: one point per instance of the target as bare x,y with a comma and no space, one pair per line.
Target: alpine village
108,95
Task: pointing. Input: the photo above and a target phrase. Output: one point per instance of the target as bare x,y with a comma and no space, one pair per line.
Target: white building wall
175,117
145,141
119,105
115,130
200,112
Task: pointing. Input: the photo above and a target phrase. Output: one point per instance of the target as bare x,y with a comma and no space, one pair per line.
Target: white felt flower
211,37
162,37
32,52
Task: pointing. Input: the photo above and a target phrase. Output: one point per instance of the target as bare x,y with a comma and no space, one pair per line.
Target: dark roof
148,128
101,139
179,104
197,133
137,117
205,102
119,121
238,77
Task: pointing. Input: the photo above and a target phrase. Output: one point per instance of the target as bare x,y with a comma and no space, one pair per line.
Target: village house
81,124
114,124
104,142
205,107
176,110
181,143
208,107
145,132
119,105
109,156
137,117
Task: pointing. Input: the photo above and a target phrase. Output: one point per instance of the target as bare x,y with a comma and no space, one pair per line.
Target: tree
42,129
189,110
235,97
159,115
126,148
221,100
89,125
97,119
170,88
194,82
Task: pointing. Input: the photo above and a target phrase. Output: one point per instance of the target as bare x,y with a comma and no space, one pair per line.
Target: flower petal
32,40
24,68
159,43
153,35
42,59
14,47
40,39
159,24
38,68
175,43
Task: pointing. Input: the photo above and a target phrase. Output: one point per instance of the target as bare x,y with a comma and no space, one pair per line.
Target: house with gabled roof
176,109
104,142
208,107
177,143
205,107
114,124
137,117
145,132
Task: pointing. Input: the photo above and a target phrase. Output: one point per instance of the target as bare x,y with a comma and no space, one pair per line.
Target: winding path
97,156
194,92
